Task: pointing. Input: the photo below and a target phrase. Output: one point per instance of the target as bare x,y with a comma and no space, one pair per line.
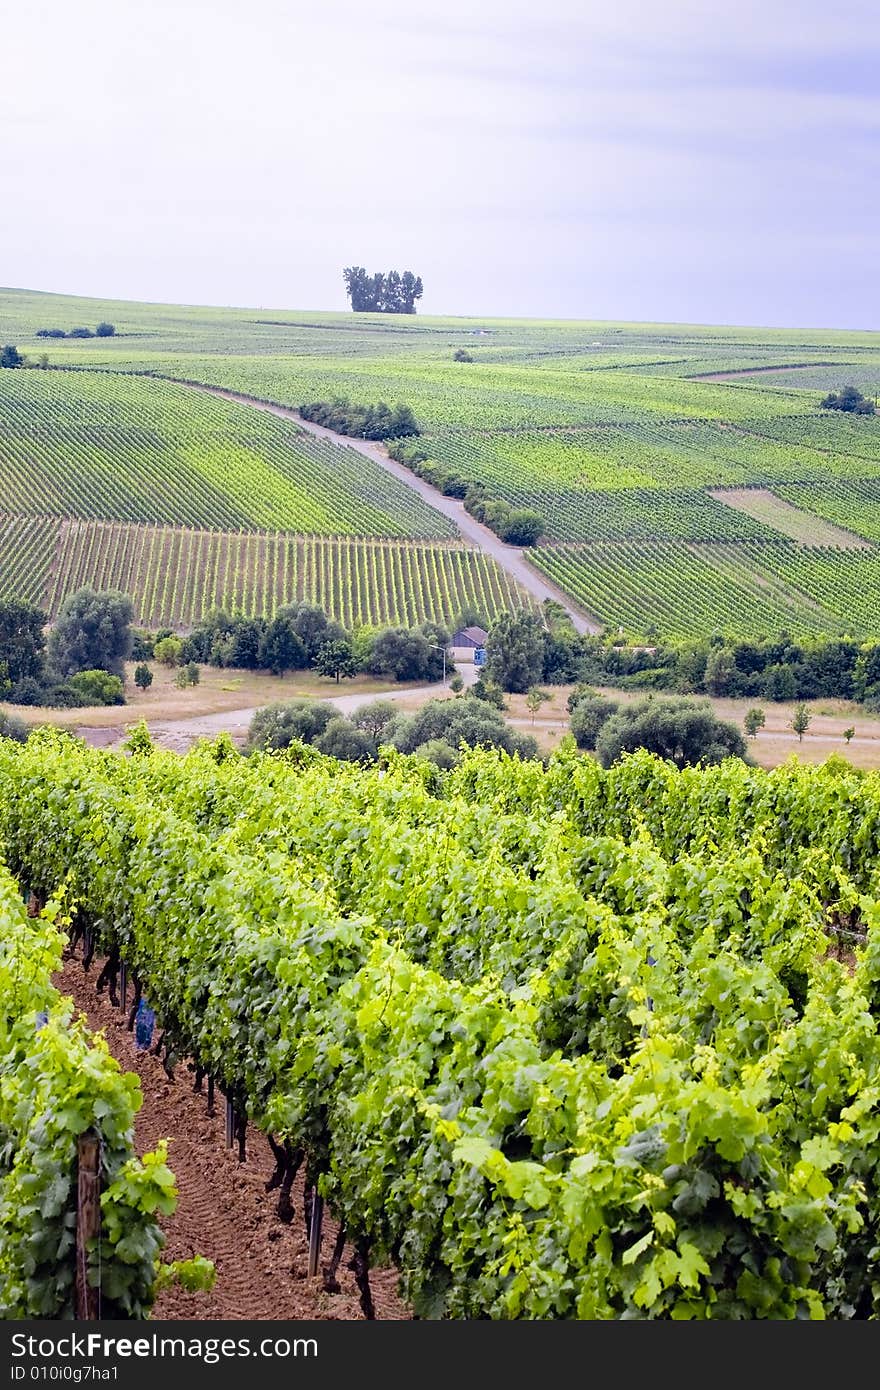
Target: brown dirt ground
223,1210
218,690
774,744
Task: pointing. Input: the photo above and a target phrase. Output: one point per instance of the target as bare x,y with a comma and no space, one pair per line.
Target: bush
516,526
142,645
849,399
492,694
361,421
12,727
588,719
187,675
685,732
168,651
285,722
462,355
459,721
80,333
28,691
143,676
438,752
105,330
62,695
342,740
98,687
521,526
581,691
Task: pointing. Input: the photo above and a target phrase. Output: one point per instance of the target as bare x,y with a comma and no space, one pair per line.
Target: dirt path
179,734
509,557
223,1210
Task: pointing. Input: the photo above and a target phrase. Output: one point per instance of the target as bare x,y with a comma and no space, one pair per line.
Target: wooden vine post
88,1222
315,1228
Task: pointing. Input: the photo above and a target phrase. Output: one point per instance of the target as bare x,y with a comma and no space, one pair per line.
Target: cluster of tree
380,293
848,398
434,733
83,661
526,649
777,668
103,330
11,357
301,637
686,732
515,525
377,421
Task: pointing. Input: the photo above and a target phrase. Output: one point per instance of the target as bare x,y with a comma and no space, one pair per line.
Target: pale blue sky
681,161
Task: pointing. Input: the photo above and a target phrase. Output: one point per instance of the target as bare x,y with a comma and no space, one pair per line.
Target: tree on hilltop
380,293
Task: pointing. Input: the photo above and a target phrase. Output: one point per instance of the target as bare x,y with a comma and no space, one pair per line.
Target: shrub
588,719
98,687
168,650
685,732
285,722
342,740
12,727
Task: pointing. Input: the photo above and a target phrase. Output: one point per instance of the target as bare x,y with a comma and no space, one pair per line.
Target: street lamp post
438,648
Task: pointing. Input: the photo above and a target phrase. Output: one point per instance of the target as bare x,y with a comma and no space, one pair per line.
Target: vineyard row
668,1113
175,576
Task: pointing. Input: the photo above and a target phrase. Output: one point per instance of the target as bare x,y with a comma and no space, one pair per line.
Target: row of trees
773,668
302,637
515,525
382,293
83,660
377,421
524,650
103,330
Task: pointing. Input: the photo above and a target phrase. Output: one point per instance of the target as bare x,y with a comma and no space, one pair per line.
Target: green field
618,434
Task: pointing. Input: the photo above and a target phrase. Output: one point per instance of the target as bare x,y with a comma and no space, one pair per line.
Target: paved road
509,557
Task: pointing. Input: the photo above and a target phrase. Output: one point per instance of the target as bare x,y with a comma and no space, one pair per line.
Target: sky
654,160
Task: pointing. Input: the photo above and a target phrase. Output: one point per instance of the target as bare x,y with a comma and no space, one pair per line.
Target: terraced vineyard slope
696,462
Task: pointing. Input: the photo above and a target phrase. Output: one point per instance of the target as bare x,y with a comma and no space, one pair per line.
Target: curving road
509,557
